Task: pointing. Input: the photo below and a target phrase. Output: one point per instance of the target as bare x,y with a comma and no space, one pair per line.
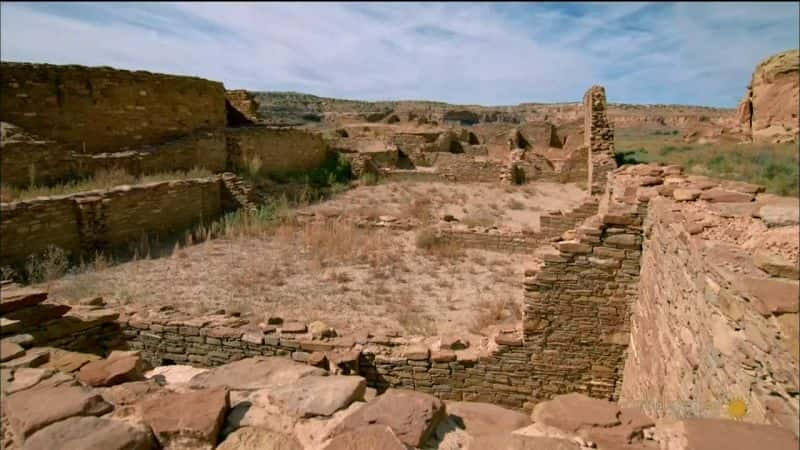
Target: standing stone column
598,138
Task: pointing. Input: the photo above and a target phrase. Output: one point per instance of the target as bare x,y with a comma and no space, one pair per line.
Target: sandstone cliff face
770,107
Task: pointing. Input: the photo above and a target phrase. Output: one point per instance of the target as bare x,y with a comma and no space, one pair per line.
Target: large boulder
31,410
255,373
250,438
187,420
81,433
370,437
411,415
108,372
483,418
701,434
317,395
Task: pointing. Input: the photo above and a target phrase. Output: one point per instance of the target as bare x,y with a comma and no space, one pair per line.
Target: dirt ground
351,278
511,208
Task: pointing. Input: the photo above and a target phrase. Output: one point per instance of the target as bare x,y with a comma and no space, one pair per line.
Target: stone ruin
648,326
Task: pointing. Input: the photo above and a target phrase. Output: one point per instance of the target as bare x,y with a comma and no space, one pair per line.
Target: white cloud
464,53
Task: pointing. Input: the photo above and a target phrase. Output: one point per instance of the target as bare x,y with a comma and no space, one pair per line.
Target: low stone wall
465,168
502,376
699,340
281,150
102,110
96,220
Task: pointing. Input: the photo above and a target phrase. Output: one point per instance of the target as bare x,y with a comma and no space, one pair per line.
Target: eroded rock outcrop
771,105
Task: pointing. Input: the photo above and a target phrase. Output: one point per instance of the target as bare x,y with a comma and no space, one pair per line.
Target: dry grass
102,179
480,218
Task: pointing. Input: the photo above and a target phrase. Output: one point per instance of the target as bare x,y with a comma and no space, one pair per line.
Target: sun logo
737,408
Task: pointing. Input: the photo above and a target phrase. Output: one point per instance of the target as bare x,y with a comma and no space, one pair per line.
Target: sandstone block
318,395
686,195
370,437
192,419
14,298
776,265
254,373
251,438
108,372
79,433
10,350
724,196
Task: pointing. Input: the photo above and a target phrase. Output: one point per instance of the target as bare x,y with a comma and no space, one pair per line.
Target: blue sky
469,53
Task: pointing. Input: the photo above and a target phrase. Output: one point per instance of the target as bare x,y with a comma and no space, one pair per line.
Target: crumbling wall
280,150
598,138
95,220
700,339
99,109
241,107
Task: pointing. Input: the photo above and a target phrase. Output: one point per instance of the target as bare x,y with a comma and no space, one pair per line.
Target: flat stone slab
108,372
318,395
250,438
717,195
370,437
776,265
31,410
572,412
411,415
724,434
255,373
34,315
32,358
484,418
176,374
10,350
80,433
187,420
12,299
508,441
770,296
67,361
780,215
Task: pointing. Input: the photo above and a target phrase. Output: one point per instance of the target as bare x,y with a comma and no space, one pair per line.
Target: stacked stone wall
243,102
699,341
598,138
102,110
577,305
95,220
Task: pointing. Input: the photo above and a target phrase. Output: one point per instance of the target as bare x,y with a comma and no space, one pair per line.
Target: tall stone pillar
598,138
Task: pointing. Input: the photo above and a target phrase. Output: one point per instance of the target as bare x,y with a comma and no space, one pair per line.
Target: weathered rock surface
187,420
12,299
716,195
370,437
108,372
10,350
250,438
129,393
484,418
172,375
82,433
770,108
701,434
780,215
776,265
34,315
317,395
255,373
572,412
411,415
68,362
771,296
31,410
508,441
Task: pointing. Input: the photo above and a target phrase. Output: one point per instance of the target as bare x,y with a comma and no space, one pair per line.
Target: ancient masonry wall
243,102
280,150
598,138
502,377
577,306
698,341
97,220
98,109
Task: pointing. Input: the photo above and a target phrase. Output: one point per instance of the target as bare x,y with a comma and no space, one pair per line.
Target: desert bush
479,219
435,245
46,266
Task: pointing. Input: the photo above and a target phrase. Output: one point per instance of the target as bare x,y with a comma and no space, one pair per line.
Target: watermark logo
736,408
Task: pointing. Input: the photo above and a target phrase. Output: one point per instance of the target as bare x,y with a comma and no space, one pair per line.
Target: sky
464,53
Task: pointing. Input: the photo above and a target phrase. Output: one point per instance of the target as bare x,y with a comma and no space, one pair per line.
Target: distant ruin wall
99,109
244,103
697,342
598,138
96,220
280,150
47,163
